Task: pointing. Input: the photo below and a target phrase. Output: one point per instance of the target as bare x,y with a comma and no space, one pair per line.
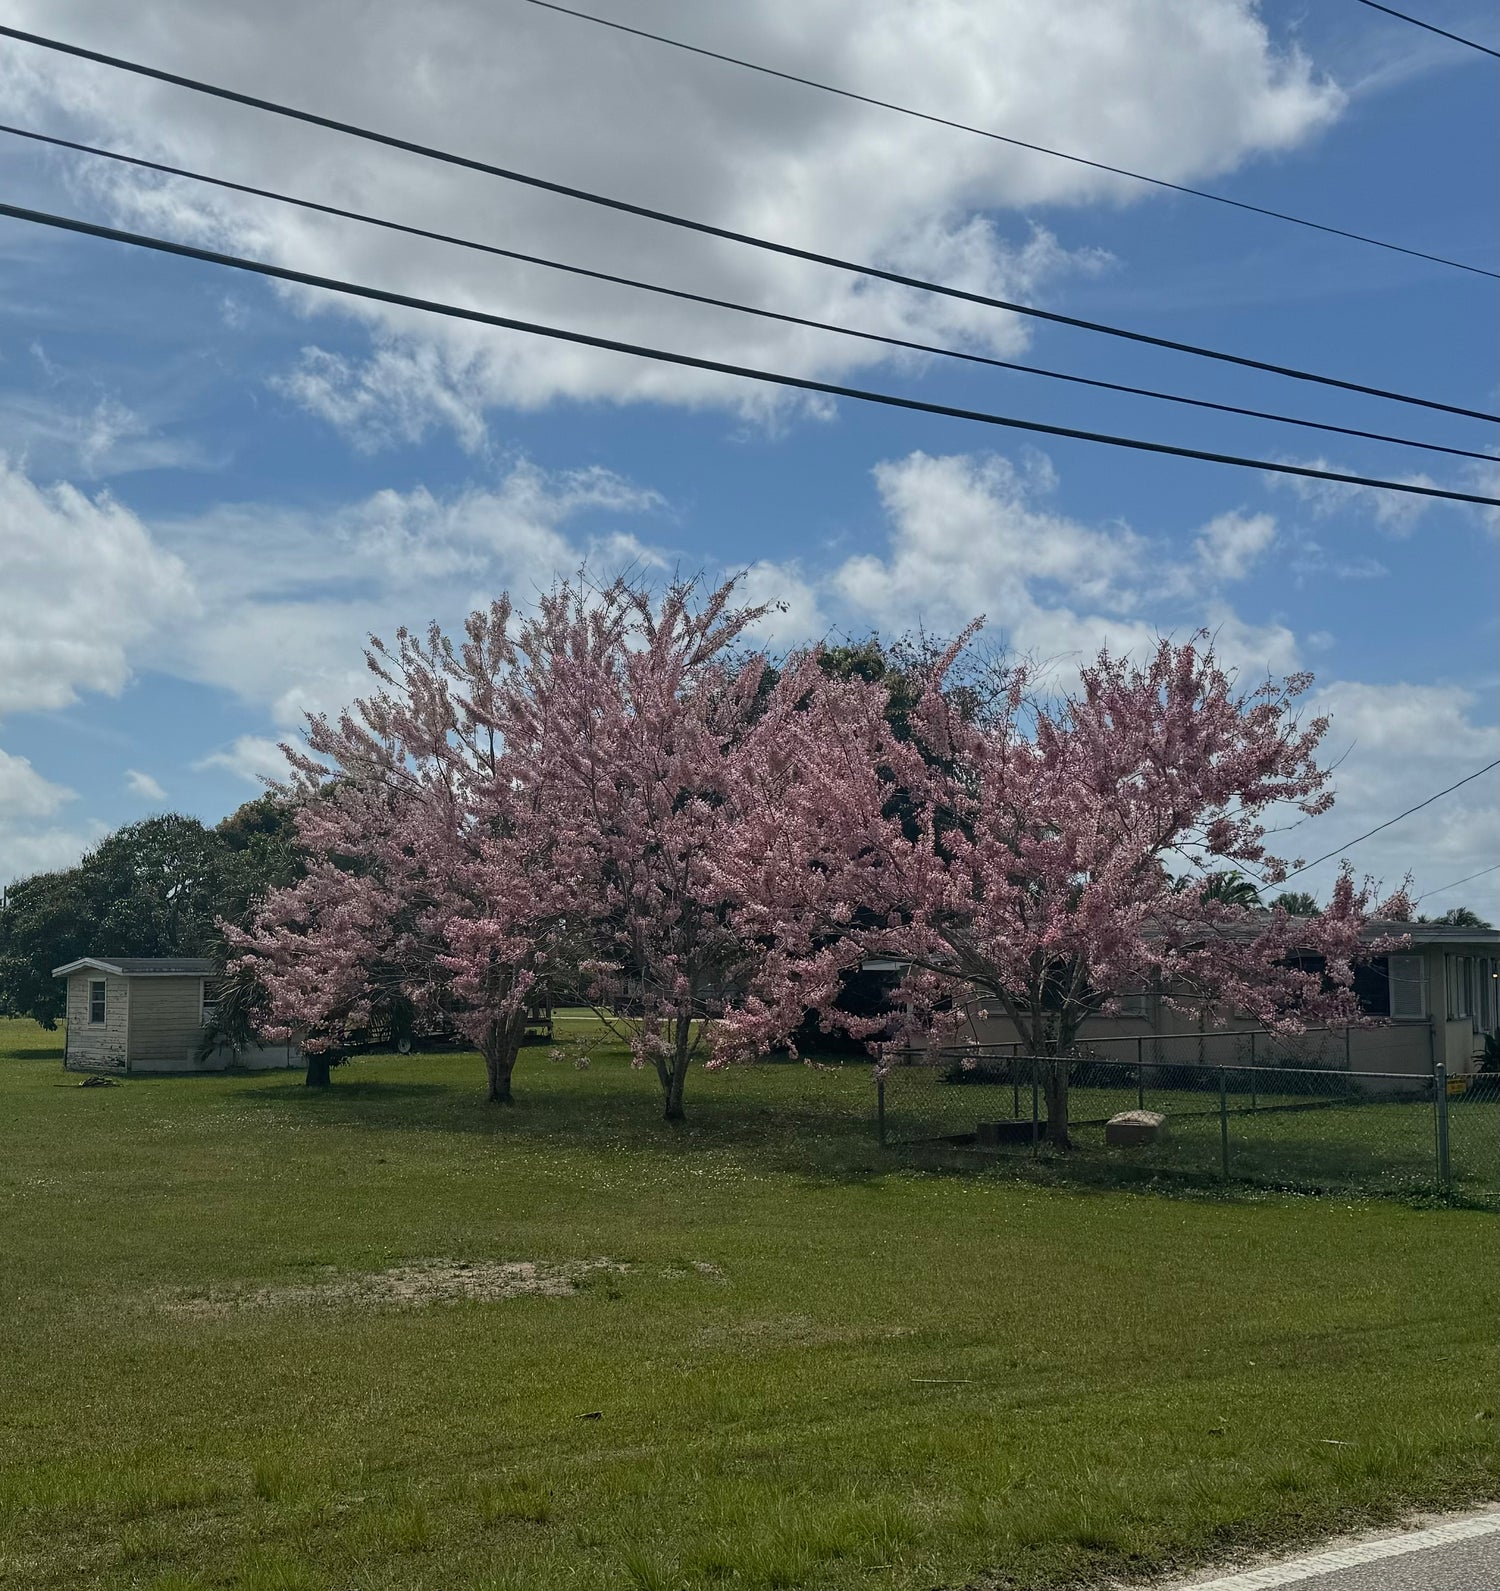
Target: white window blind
1407,993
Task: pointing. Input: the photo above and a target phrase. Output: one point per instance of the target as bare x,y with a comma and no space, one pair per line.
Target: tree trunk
1052,1037
318,1069
498,1067
676,1079
1055,1079
500,1049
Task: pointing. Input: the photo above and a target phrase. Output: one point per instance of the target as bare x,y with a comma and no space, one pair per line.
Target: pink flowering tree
643,709
430,881
1023,855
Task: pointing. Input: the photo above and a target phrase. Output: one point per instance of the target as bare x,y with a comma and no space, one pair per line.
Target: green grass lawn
809,1364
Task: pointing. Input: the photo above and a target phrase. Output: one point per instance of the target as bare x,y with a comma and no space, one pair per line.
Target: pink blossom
1021,853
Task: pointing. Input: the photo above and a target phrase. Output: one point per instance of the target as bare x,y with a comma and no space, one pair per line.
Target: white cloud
253,758
31,840
289,596
1229,546
1396,513
1309,559
27,848
1183,89
796,615
142,784
1396,745
24,793
92,437
84,584
973,534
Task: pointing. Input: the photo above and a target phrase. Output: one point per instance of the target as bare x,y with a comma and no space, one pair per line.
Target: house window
96,1000
210,1001
1459,986
1473,991
1407,994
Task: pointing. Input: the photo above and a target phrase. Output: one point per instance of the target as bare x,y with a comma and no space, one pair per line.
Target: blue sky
212,488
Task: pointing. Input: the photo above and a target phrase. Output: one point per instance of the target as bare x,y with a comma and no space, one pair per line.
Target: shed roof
142,966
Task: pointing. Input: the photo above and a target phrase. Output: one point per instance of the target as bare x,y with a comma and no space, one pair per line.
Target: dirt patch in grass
405,1287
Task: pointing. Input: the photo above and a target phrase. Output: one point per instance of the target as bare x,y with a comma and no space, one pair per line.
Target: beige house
137,1014
1433,1002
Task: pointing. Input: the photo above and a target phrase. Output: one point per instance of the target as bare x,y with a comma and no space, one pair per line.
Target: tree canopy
1024,869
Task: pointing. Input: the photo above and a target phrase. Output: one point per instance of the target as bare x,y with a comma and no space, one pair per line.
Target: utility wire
694,362
1444,888
1417,22
1005,138
723,303
706,229
1308,866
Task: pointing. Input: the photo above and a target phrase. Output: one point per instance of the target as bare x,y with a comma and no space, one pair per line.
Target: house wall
97,1046
1164,1035
165,1023
254,1058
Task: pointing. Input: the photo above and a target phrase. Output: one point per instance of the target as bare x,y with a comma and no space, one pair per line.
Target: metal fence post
1440,1109
1140,1074
880,1108
1224,1123
1254,1081
1035,1120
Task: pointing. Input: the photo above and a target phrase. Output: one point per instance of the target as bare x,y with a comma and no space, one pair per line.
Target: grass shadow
824,1130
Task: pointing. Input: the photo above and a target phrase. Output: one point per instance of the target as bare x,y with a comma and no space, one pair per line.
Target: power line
1308,866
1005,138
707,229
720,367
1443,889
1417,22
722,303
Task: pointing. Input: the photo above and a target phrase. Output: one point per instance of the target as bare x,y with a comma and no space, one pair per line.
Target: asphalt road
1460,1554
1458,1566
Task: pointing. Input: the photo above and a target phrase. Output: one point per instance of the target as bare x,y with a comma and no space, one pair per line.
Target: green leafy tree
43,919
1297,903
153,888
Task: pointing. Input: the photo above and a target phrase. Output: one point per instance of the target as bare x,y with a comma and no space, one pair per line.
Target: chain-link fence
1292,1125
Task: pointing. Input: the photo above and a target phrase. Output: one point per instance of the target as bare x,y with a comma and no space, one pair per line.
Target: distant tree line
153,888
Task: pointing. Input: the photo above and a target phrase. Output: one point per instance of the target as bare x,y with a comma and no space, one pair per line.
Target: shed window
1407,993
96,1000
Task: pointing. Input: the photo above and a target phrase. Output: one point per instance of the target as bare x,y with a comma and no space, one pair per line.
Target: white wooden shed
147,1014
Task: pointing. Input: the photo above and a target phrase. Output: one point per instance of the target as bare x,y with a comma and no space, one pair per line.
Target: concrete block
993,1134
1132,1127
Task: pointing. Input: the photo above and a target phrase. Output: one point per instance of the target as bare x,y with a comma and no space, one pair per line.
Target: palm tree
1230,888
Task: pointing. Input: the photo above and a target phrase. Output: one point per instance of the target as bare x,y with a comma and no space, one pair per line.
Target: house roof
1435,933
142,966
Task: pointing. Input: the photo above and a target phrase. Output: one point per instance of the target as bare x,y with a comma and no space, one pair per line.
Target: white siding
165,1021
98,1046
